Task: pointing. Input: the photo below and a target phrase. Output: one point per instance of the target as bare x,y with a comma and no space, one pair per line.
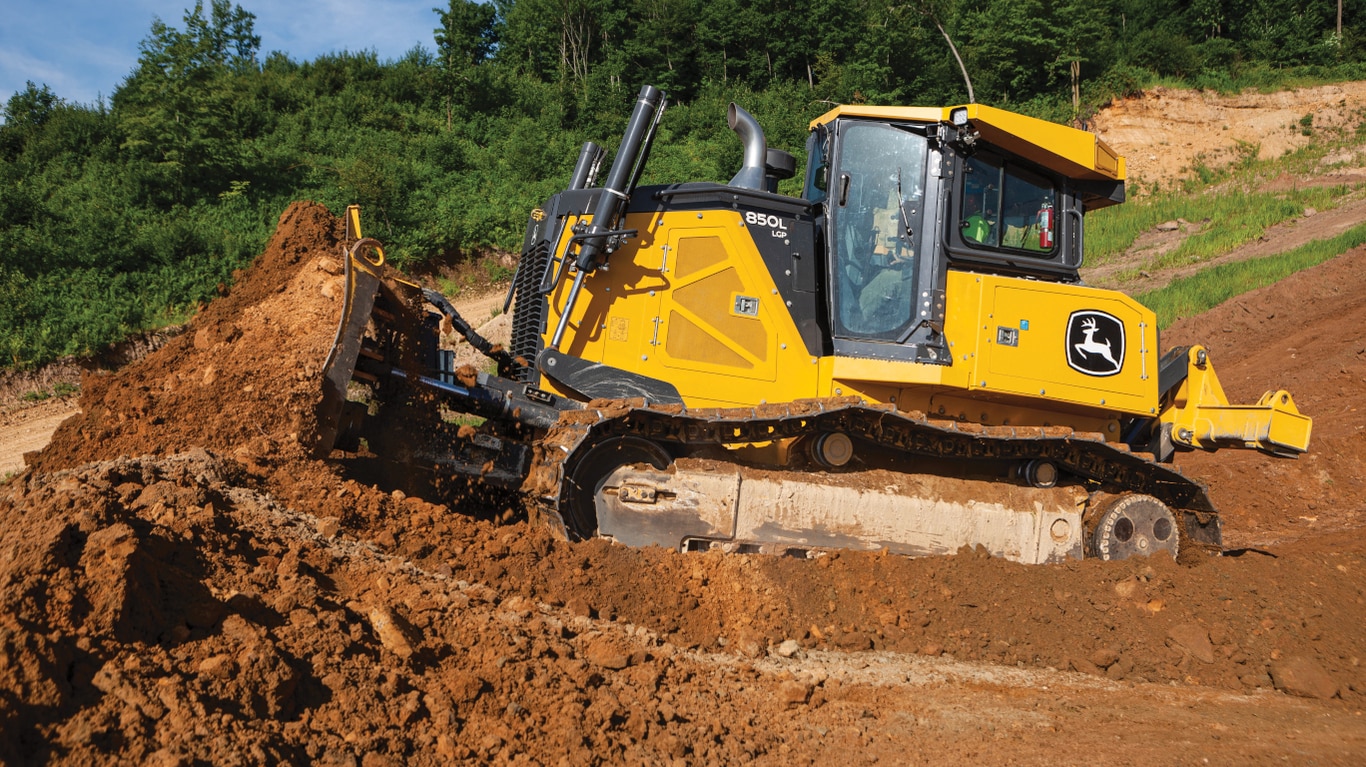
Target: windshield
876,204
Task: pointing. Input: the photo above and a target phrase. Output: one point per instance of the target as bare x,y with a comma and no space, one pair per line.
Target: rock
794,693
932,649
1298,675
1194,639
788,648
854,641
1128,588
607,654
580,608
1310,212
1084,666
390,632
1168,226
1105,657
328,527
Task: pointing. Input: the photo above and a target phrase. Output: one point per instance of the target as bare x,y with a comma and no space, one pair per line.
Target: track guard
595,380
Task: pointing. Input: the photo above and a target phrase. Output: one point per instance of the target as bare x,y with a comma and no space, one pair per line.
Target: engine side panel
690,301
1082,348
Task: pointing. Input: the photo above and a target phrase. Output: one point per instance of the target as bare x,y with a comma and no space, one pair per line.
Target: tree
464,40
178,108
25,114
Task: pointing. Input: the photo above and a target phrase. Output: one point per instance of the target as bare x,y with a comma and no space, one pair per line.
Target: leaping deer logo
1090,354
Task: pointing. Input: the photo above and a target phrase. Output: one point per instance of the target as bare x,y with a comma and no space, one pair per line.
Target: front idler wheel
590,472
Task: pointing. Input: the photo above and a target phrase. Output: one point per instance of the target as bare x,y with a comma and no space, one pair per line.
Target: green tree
464,40
181,108
25,113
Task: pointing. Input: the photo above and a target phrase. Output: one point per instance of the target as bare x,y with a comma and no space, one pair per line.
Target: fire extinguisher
1046,226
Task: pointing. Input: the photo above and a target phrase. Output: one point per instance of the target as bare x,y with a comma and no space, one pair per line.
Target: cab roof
1074,153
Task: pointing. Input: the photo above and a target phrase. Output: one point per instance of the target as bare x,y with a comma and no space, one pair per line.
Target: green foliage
59,390
124,216
1203,291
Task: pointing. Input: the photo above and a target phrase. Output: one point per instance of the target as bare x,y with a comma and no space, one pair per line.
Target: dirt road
30,429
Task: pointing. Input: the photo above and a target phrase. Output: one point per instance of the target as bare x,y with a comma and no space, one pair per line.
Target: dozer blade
362,263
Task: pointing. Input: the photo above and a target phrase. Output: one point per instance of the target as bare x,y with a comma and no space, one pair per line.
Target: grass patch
1192,295
1224,199
477,275
58,390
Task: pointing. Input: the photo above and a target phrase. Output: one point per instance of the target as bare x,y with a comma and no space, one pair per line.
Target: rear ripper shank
902,357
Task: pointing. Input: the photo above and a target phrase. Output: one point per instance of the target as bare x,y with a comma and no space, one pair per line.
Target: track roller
832,449
1039,473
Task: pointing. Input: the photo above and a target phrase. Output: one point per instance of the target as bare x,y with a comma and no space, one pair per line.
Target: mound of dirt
243,378
180,584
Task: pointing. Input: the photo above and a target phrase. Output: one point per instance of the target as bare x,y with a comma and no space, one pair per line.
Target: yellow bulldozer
903,357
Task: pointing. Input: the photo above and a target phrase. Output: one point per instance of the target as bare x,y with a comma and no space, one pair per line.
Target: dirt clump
180,583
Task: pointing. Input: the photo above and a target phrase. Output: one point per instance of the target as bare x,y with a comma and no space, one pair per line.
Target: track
892,435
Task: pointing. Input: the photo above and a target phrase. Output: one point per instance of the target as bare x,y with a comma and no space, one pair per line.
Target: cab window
1003,206
876,200
817,167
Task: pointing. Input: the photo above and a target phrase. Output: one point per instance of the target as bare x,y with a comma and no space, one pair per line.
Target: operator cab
911,192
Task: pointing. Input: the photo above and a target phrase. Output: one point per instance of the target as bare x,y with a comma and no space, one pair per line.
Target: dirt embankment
1163,133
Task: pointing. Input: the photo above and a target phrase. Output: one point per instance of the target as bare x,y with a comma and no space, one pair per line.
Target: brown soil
1163,133
181,584
1307,335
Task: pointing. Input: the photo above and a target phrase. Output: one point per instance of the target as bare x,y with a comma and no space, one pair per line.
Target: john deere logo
1095,343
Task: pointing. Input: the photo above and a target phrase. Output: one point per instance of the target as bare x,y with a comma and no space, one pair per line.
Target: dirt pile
159,611
243,377
180,584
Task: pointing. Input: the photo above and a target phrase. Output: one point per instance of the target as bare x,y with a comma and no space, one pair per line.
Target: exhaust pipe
751,175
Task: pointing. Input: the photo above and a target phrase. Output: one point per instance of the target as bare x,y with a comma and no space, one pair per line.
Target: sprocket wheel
1134,525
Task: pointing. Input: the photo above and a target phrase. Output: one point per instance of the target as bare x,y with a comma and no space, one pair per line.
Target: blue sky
83,49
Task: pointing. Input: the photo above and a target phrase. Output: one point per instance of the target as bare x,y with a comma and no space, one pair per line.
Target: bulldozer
903,357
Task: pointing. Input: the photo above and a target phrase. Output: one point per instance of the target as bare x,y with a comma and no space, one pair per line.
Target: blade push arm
1200,415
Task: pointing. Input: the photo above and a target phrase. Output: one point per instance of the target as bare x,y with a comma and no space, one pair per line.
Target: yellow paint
1201,416
690,301
674,313
1072,152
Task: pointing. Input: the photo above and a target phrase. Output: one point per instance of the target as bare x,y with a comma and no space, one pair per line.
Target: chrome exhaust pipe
751,175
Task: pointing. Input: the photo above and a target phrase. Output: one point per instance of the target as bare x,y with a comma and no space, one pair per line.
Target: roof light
959,116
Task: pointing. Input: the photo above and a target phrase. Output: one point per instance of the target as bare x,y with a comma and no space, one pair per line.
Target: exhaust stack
751,175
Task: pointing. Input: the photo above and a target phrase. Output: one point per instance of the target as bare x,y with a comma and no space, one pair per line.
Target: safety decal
1095,343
